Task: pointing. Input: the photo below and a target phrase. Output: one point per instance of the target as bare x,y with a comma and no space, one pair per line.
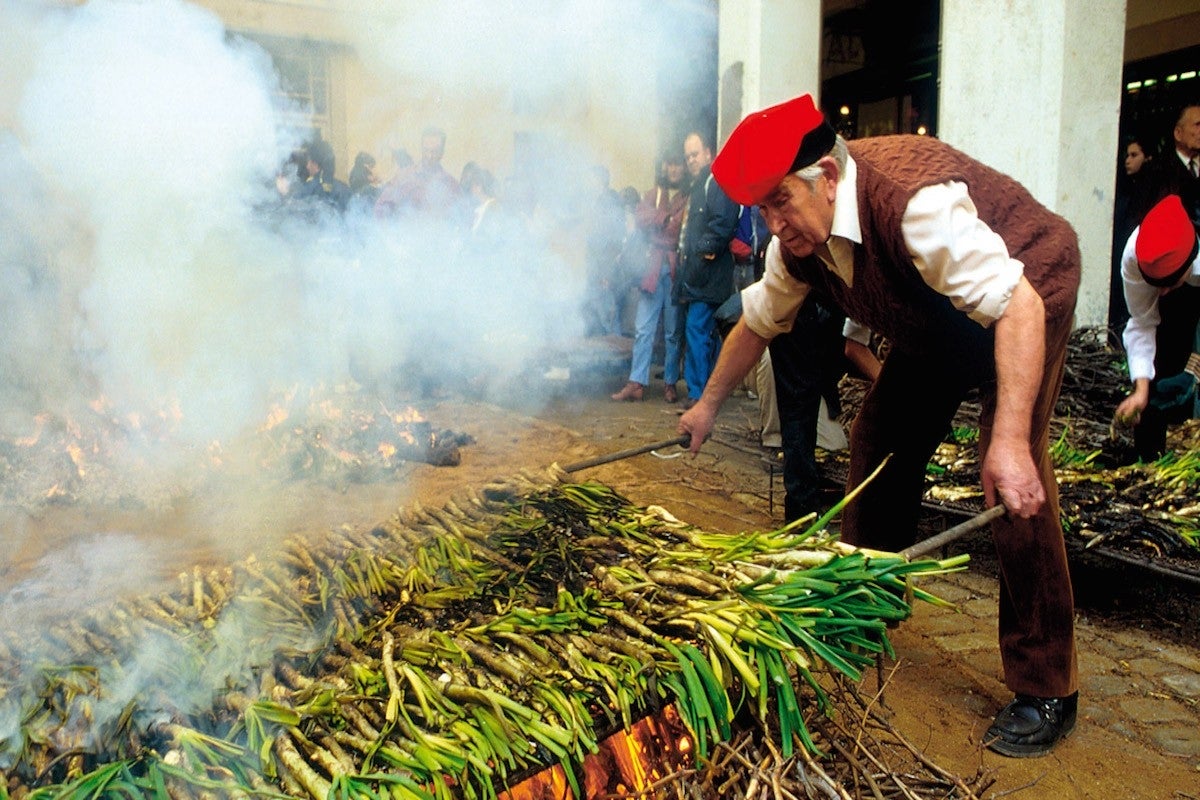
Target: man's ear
829,167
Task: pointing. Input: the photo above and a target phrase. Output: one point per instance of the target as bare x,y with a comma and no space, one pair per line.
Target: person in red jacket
973,282
659,218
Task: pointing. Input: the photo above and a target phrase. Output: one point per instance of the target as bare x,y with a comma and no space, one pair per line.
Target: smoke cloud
148,282
144,137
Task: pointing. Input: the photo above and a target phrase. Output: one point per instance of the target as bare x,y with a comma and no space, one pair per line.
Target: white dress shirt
1187,161
955,252
1142,301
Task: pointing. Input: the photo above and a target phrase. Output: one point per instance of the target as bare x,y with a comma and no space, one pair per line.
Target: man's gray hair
812,172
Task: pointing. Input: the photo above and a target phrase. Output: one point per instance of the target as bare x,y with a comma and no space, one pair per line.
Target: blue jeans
702,347
650,308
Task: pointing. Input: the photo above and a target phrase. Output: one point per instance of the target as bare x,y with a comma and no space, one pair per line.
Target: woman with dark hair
362,176
1135,155
364,186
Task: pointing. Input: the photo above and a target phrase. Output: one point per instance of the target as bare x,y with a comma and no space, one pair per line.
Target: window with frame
302,68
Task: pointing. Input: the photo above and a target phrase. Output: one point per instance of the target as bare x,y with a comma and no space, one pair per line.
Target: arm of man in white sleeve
1139,336
768,308
857,349
769,305
1009,472
959,256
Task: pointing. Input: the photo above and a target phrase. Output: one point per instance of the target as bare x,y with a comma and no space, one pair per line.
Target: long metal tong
683,441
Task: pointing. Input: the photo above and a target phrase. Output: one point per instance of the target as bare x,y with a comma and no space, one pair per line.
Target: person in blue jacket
706,265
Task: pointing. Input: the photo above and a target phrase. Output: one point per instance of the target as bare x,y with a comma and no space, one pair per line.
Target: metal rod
1145,563
682,441
927,546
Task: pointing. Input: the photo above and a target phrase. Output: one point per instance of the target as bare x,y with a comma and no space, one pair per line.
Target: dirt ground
942,691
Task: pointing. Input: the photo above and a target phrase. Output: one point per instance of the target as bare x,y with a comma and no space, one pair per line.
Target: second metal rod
682,441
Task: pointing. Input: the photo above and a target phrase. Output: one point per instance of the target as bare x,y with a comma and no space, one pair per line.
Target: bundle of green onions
1149,508
451,651
1146,507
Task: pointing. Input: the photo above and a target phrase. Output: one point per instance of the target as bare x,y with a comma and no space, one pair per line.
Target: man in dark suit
1176,172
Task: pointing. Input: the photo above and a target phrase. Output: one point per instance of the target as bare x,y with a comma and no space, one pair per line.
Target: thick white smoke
140,278
148,137
161,134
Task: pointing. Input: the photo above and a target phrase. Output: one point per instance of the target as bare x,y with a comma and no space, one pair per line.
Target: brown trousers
907,413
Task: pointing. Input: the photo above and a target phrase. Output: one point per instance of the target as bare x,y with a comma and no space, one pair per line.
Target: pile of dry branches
868,759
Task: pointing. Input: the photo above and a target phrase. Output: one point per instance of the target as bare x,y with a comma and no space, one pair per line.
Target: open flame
626,764
39,424
409,414
276,416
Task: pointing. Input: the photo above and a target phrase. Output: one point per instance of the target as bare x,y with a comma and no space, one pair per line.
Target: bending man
973,282
1160,274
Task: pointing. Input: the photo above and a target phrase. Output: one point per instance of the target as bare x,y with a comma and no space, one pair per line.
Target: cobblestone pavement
1152,686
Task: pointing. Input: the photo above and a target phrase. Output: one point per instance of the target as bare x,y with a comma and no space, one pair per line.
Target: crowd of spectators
576,213
663,265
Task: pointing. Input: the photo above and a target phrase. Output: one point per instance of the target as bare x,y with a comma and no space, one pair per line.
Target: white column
767,51
1033,88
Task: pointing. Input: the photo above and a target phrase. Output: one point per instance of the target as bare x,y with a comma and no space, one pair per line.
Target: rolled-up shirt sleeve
956,252
1142,300
769,305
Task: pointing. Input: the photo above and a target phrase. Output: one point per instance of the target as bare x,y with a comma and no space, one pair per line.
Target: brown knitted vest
888,293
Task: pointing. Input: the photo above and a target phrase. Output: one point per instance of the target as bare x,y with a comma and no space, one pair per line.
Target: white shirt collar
844,231
845,209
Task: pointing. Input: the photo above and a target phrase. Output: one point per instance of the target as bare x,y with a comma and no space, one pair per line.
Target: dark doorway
879,67
1155,89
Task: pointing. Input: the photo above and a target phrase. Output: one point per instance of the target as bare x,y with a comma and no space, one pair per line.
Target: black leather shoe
1031,726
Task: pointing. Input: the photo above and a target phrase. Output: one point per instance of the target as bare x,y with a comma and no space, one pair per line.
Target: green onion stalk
450,652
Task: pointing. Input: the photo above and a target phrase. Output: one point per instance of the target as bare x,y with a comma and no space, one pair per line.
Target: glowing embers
350,438
100,454
629,763
61,456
